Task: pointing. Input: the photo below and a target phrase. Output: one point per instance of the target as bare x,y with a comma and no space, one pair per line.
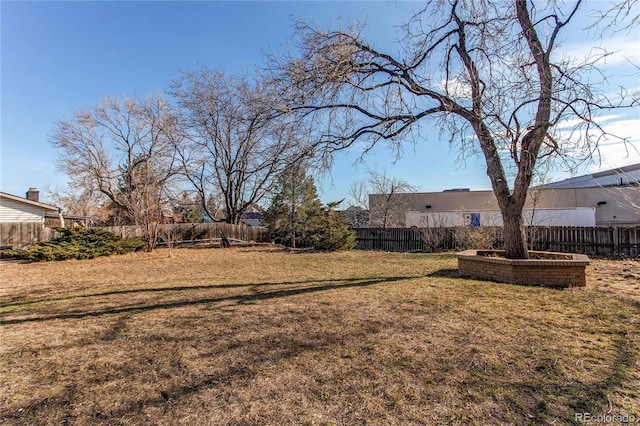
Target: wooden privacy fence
21,235
192,232
24,235
600,241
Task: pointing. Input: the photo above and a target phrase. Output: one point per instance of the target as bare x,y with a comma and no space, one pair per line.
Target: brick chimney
33,195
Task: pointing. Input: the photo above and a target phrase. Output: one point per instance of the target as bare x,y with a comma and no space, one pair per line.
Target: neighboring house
251,217
14,209
603,199
22,220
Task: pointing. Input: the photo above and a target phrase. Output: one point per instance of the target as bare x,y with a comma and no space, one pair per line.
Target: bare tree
80,201
620,16
484,73
233,144
124,150
359,194
382,195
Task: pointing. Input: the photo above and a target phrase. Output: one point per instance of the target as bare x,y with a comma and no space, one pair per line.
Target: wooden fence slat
180,232
600,241
21,235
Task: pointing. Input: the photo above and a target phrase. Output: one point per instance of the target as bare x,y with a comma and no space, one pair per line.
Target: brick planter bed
546,269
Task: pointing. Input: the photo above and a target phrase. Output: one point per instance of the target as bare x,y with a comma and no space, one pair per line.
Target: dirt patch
620,277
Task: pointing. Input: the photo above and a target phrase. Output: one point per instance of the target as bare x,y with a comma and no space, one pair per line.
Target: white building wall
538,217
613,206
15,211
579,216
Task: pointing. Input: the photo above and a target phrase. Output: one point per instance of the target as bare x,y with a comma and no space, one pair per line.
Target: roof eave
44,206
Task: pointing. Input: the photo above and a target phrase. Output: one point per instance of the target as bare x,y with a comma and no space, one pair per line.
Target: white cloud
616,153
569,124
456,88
619,50
629,128
619,147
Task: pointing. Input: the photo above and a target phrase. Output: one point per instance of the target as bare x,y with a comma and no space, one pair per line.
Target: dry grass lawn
261,336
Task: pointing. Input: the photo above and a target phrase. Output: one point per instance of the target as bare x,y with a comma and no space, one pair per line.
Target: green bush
297,219
78,243
334,234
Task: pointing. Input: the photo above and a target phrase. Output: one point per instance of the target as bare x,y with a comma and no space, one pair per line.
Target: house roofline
33,203
618,170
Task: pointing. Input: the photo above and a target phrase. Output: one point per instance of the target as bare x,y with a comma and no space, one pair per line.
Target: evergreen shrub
78,243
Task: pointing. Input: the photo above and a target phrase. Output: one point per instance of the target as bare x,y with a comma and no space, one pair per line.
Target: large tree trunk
515,236
511,202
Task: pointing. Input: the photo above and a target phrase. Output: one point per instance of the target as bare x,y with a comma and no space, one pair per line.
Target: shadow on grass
529,398
172,288
593,398
536,398
249,365
444,273
241,298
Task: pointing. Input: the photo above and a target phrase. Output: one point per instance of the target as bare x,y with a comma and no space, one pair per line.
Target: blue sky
59,57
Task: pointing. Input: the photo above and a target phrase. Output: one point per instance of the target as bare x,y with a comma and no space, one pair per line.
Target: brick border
547,269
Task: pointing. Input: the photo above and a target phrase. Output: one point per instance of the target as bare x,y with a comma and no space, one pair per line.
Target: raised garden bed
548,269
